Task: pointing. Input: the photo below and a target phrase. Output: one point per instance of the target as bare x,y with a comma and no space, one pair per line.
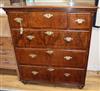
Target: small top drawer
38,19
79,20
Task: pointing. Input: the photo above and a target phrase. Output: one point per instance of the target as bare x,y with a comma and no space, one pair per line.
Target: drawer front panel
32,57
43,57
69,76
29,39
55,75
33,73
52,39
64,58
80,20
39,19
15,18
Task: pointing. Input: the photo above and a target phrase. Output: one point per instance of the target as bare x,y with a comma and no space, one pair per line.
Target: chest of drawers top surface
52,42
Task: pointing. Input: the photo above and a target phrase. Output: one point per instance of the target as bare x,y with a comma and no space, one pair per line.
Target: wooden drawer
29,73
80,20
29,39
6,43
65,58
73,76
39,19
32,57
51,39
43,57
55,75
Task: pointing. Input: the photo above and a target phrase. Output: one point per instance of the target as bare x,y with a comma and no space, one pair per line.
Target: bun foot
80,86
24,82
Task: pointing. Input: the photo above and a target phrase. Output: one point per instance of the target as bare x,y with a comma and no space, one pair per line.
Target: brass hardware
68,39
50,52
49,33
35,72
51,69
80,21
21,30
67,58
66,74
33,55
19,20
30,37
48,15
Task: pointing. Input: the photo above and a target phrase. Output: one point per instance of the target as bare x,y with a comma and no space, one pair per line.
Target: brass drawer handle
19,20
51,69
67,74
21,30
35,72
49,52
33,55
48,15
80,21
30,37
67,58
68,39
49,33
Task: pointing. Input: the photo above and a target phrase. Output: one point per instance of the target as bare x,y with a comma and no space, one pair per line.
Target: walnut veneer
52,42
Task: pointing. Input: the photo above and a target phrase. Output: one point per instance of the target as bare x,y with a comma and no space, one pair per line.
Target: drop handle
49,52
51,69
67,58
49,33
48,15
33,55
35,72
19,20
68,39
67,74
80,21
21,30
30,37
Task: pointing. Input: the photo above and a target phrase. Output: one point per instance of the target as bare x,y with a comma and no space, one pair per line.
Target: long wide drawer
49,74
38,19
60,58
53,39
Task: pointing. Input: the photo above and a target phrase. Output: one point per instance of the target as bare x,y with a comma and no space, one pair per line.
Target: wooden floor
11,82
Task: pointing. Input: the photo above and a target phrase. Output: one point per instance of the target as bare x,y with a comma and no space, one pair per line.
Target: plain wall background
94,57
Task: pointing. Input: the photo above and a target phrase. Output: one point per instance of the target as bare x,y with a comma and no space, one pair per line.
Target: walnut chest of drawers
51,42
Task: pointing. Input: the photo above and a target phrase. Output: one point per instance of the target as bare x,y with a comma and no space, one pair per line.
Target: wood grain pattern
39,20
55,76
79,40
61,32
42,58
73,24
